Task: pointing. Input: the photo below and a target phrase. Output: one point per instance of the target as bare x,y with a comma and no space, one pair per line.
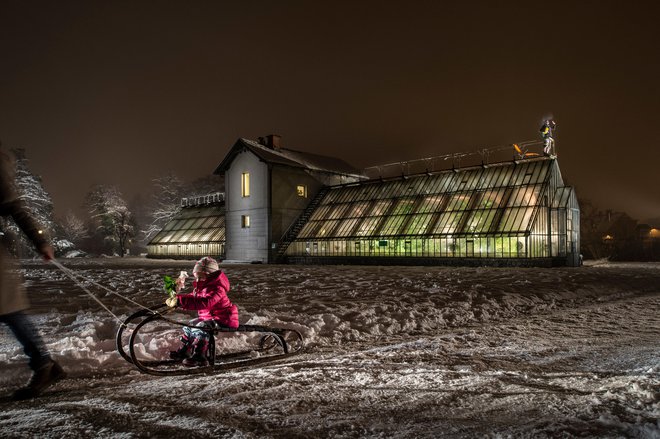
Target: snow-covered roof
289,157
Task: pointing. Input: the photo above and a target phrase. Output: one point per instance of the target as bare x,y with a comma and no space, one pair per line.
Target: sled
522,152
273,344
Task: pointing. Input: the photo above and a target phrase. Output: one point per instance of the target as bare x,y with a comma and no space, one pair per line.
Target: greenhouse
197,230
510,213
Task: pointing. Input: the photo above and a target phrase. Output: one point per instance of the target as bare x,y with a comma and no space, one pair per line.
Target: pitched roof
288,157
195,224
495,200
562,196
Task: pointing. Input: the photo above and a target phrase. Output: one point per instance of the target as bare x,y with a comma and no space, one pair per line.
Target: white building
267,188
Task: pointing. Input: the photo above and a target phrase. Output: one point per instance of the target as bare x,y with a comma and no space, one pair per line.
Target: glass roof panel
418,224
459,201
310,229
446,180
348,194
172,225
392,225
218,235
159,237
448,222
321,213
346,227
218,221
338,211
486,200
359,209
403,206
368,226
468,180
381,207
525,196
422,185
326,229
331,196
491,199
430,203
480,221
515,219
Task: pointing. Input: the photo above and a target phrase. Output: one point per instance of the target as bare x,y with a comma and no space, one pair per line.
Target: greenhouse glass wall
194,232
513,213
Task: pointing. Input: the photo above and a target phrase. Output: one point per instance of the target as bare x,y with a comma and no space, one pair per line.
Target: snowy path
551,362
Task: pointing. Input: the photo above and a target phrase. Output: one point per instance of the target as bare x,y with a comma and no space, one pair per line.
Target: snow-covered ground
403,352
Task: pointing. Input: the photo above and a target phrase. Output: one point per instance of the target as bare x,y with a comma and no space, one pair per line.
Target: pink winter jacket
209,299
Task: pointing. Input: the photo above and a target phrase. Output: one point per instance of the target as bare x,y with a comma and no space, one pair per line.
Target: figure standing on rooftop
547,128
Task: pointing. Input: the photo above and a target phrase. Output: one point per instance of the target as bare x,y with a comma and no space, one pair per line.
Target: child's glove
172,302
181,281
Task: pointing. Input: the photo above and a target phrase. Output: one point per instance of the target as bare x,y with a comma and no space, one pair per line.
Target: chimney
273,141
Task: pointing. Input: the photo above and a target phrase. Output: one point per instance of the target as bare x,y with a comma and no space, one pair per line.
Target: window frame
245,184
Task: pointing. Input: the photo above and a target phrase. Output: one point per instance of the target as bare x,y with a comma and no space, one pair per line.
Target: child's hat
207,264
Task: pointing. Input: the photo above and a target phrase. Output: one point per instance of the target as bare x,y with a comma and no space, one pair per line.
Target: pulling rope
70,273
75,278
71,276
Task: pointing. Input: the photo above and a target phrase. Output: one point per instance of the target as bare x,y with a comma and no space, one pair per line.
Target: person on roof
214,309
546,130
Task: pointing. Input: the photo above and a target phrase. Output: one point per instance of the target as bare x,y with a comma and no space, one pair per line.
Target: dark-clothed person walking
13,298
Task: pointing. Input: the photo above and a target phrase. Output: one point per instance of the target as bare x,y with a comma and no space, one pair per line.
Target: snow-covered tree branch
74,228
36,199
110,216
167,191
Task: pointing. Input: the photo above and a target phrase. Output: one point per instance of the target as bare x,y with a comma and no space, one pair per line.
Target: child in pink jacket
214,309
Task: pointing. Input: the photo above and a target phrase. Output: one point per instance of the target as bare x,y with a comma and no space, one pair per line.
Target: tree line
609,234
110,224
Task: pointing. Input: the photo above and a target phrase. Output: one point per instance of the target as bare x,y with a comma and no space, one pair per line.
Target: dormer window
301,190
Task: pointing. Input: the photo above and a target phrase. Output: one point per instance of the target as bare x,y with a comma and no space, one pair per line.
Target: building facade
267,188
512,213
197,230
284,206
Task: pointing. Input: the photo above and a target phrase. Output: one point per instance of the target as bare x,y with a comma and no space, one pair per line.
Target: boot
200,356
185,351
43,377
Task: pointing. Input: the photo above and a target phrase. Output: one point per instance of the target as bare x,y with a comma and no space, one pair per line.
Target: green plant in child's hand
172,286
169,286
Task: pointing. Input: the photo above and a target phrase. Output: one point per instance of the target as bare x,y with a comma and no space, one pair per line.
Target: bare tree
110,216
167,192
74,228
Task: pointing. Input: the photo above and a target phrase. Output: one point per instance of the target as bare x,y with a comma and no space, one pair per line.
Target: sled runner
150,324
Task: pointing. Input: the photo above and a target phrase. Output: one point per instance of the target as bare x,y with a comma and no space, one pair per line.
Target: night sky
120,92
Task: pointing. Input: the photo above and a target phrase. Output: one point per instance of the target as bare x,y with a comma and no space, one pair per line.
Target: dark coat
12,292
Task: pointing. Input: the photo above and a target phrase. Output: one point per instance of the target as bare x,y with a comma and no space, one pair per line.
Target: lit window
245,184
301,190
245,221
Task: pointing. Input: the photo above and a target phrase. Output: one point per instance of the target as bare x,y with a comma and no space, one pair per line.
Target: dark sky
120,92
